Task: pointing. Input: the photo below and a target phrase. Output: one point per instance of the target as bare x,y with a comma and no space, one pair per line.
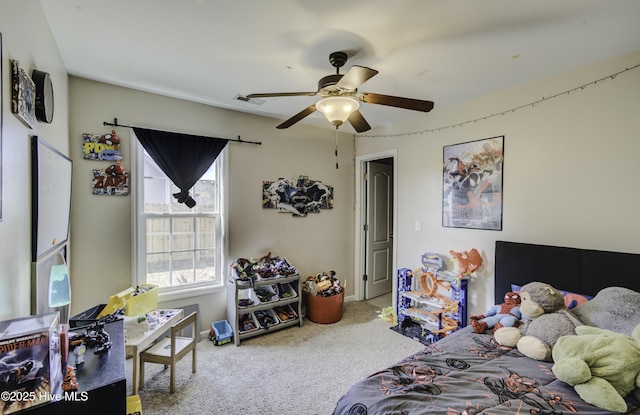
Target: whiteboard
51,197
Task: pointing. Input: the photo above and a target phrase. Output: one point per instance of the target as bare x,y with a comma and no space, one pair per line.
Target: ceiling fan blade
305,112
356,76
358,122
282,94
399,102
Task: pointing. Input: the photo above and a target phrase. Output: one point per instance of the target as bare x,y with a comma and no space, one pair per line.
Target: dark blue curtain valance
184,158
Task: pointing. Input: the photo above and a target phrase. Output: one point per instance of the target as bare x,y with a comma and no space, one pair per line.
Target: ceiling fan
341,99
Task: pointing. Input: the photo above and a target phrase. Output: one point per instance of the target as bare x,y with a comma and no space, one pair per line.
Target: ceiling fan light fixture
337,109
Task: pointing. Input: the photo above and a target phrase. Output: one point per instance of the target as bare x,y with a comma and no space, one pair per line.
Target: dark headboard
583,271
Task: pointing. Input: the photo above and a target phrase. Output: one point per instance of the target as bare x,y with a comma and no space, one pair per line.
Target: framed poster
472,184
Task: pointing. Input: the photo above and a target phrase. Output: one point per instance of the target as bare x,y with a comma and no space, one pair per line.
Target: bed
469,373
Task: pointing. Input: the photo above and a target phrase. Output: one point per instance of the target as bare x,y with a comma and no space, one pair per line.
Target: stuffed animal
546,319
602,365
467,261
506,314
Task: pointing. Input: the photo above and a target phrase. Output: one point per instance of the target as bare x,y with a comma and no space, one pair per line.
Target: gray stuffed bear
546,319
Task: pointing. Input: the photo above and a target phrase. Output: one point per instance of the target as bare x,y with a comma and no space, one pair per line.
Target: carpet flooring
298,370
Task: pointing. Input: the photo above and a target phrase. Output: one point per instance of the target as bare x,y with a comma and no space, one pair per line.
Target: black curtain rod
238,140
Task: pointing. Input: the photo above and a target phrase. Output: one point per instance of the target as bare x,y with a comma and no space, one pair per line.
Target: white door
379,229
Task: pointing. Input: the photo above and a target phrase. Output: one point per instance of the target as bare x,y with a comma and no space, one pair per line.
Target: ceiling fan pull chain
336,147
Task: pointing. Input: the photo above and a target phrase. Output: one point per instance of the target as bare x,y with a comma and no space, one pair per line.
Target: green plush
602,365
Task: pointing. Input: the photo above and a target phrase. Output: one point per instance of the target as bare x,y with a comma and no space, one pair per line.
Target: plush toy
506,314
602,365
546,319
467,261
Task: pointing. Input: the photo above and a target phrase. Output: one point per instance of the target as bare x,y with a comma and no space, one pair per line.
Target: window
178,248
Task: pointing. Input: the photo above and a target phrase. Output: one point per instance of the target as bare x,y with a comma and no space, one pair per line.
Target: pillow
613,308
571,300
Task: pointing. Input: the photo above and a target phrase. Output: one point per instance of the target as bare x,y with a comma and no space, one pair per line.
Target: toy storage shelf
415,306
238,289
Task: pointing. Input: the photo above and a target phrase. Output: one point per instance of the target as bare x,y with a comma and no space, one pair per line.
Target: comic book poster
472,184
101,146
30,362
112,181
298,197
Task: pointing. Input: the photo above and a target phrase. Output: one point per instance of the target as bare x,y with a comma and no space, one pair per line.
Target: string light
530,104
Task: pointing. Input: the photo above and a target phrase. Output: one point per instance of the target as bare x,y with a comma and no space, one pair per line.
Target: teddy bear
506,314
602,365
546,319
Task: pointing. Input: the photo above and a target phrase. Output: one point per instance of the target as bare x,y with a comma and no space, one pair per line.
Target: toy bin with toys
325,298
136,301
221,333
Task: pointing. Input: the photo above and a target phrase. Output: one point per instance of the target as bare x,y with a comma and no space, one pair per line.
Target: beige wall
569,169
100,229
32,45
570,165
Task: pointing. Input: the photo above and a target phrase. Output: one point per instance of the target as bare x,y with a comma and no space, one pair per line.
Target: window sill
188,293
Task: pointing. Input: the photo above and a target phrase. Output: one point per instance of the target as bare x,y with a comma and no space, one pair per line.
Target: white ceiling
445,51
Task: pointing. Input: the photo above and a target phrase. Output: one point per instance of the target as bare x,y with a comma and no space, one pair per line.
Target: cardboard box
30,362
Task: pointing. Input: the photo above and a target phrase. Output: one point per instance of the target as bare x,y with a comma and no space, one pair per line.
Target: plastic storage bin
285,313
247,298
86,317
286,291
325,310
221,332
141,304
266,294
136,302
267,318
244,323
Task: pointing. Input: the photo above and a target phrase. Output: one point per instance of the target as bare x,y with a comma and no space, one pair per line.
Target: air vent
255,101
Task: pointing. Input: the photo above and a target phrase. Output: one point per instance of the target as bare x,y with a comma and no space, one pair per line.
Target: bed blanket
467,373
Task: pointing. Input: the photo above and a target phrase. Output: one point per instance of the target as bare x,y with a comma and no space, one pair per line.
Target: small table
133,347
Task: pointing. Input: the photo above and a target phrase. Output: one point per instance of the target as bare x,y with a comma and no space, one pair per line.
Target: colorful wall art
112,181
101,146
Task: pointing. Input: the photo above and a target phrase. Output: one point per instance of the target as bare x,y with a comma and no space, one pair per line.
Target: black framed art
472,184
